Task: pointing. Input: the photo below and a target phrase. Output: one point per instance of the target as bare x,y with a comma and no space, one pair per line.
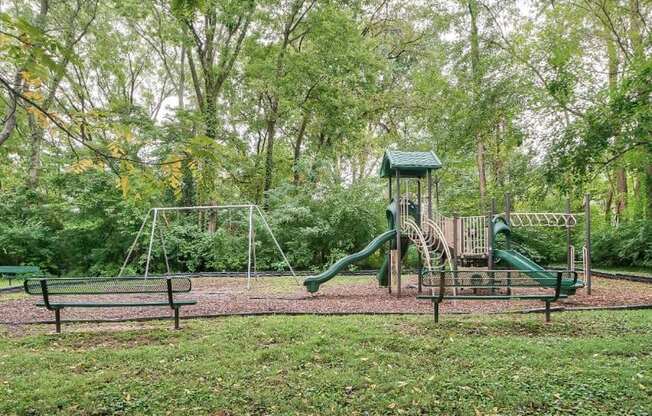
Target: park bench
56,293
12,272
547,286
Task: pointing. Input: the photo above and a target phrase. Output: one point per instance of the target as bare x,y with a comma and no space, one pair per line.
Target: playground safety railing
471,232
478,282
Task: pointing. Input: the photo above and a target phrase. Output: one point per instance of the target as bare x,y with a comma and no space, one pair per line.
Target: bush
628,245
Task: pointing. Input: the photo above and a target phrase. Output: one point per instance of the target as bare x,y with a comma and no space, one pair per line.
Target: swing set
206,215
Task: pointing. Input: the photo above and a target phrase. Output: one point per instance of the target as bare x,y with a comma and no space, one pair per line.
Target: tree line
109,108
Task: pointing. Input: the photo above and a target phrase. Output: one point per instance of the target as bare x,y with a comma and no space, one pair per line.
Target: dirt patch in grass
223,296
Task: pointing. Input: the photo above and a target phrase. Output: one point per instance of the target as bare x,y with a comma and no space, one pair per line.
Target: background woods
109,108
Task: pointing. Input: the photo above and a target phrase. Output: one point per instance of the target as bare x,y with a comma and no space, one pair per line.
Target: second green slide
312,283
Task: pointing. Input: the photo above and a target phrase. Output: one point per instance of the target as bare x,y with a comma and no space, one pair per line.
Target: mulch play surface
220,296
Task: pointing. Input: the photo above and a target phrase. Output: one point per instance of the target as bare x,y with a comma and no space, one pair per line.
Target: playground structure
160,220
448,246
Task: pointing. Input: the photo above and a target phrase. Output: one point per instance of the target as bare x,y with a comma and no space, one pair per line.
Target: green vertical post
419,213
569,256
389,252
429,194
508,219
490,242
419,201
508,242
398,233
587,241
456,242
490,237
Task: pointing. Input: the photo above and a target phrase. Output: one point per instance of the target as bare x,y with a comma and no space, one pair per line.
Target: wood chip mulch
220,296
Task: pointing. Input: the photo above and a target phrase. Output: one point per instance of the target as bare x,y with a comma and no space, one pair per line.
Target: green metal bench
116,286
496,285
12,272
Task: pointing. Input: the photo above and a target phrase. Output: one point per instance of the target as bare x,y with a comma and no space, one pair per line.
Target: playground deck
223,296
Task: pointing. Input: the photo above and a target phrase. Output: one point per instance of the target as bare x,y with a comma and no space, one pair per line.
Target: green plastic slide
520,262
312,283
536,272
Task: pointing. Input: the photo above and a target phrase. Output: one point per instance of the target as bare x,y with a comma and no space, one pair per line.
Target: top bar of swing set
202,207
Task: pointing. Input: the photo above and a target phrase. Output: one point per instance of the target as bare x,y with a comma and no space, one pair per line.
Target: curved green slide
312,283
521,262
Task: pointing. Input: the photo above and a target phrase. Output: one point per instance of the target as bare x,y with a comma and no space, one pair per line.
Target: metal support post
508,243
151,241
569,259
547,311
176,318
398,233
490,235
587,242
435,307
57,320
251,221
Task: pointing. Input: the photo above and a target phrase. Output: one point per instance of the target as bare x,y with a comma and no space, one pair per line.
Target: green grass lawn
582,364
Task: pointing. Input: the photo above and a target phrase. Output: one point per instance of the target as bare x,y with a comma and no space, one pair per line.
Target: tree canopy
109,108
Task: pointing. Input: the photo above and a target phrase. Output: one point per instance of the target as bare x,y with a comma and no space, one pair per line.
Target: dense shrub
629,244
87,226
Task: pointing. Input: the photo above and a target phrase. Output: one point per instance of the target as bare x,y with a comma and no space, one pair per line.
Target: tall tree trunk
297,149
621,192
210,116
619,171
272,118
10,119
10,113
269,151
482,178
635,28
648,185
607,206
475,68
36,139
182,77
296,14
635,24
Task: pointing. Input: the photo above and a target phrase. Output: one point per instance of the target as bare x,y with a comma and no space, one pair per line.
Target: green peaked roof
409,164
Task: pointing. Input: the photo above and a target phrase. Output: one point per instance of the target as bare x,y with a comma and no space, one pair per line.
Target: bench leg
435,307
176,318
57,320
547,311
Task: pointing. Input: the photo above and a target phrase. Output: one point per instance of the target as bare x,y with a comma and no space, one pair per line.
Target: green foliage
543,245
334,84
626,245
28,47
84,230
625,114
318,231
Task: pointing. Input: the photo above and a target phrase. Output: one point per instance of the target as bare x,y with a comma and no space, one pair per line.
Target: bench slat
114,305
18,270
494,297
107,285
